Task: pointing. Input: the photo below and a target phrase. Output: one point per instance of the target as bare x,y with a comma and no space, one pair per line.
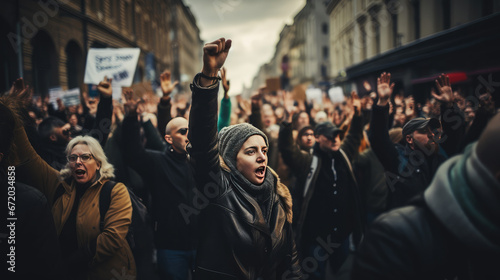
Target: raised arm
225,103
165,106
452,120
352,140
203,116
379,132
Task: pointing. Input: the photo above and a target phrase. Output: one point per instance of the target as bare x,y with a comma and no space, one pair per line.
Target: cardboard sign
299,92
118,64
273,84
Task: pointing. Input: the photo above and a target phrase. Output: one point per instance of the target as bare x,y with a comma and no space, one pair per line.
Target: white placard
314,94
336,94
118,64
117,93
71,97
54,94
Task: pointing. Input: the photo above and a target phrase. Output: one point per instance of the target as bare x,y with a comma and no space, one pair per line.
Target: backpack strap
105,201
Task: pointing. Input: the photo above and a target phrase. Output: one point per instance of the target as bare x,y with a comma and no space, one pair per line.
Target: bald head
176,134
174,124
487,149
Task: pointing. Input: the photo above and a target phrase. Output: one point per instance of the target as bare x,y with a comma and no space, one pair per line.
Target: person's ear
409,139
53,137
168,138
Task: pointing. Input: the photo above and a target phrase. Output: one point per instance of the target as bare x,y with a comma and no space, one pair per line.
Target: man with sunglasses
169,178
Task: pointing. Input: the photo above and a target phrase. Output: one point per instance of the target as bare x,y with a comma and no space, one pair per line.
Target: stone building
306,43
414,39
48,40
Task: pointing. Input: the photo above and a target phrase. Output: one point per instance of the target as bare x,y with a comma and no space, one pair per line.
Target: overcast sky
254,27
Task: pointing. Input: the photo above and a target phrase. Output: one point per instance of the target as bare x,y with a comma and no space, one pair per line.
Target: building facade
306,45
48,40
414,39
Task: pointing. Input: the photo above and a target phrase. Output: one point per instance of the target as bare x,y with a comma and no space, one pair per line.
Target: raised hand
444,88
105,88
166,84
356,103
20,92
130,104
384,88
214,56
225,82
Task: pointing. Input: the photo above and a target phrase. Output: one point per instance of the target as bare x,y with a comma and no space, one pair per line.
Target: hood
464,197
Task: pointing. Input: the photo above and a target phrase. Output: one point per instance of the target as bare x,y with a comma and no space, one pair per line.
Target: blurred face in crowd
423,139
327,144
399,120
469,114
251,160
307,139
83,164
176,134
303,120
268,117
73,120
61,135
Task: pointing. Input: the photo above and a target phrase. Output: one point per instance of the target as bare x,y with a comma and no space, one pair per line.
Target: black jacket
31,238
409,172
236,242
170,179
300,162
433,238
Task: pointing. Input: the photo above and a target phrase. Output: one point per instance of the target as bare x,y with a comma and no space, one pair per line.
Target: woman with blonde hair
88,251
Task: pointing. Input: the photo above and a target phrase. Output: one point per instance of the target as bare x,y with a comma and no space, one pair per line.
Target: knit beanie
231,138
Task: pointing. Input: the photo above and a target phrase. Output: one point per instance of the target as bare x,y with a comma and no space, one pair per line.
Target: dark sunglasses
183,131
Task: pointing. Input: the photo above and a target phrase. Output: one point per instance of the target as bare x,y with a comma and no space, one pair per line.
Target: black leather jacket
235,240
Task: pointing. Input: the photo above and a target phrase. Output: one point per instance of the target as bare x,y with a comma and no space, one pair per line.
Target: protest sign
71,97
54,94
314,94
118,64
336,94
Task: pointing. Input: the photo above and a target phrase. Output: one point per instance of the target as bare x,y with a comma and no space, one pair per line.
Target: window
416,14
324,28
325,52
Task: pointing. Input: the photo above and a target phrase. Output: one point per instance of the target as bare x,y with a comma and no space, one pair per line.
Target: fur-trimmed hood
280,188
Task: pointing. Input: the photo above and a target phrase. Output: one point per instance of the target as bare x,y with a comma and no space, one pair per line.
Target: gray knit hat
231,138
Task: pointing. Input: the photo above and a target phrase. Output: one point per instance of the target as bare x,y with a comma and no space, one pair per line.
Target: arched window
44,63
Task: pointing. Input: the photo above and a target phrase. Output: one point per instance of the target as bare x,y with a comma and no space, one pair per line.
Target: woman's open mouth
80,173
260,172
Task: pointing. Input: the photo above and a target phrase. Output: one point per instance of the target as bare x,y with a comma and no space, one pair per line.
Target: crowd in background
137,131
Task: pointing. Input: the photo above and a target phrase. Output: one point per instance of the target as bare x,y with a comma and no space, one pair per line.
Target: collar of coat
280,188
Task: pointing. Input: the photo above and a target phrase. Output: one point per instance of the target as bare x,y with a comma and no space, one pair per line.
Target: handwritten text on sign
118,64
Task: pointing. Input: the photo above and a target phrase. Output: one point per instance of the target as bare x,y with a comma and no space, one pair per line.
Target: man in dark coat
410,168
169,177
326,197
451,232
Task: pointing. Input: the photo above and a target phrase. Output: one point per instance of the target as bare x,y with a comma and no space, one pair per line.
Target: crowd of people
378,186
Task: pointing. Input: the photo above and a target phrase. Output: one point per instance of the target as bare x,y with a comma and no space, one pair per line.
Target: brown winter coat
113,257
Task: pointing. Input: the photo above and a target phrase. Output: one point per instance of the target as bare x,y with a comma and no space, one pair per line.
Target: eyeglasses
84,157
183,131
